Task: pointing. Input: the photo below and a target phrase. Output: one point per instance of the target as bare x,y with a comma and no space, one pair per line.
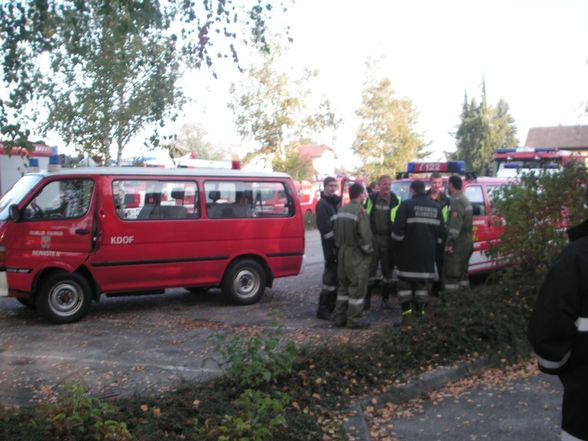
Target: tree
386,139
102,71
192,139
297,166
482,130
275,110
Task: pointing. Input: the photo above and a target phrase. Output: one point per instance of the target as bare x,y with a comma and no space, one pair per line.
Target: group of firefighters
421,245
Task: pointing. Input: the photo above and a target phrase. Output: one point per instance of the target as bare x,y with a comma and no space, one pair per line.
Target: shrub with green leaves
536,212
80,416
259,415
253,361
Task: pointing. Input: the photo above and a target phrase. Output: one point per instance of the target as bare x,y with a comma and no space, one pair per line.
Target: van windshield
17,193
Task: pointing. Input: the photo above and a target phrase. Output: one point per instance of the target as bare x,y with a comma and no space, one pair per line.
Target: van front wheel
244,282
64,297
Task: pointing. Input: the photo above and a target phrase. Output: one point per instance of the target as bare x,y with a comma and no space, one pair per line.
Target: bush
537,210
253,361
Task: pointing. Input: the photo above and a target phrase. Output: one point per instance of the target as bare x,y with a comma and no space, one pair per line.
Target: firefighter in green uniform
353,237
459,245
381,208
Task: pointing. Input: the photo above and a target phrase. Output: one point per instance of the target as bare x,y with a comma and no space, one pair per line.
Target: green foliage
275,110
81,417
386,139
255,361
537,211
102,72
482,130
297,166
192,139
259,415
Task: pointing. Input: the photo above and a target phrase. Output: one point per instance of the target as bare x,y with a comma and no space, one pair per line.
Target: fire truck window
245,199
62,199
476,196
155,199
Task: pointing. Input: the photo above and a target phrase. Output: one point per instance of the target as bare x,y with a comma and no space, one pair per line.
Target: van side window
61,199
154,199
245,199
476,196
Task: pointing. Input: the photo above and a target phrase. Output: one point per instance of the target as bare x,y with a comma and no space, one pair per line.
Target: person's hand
449,249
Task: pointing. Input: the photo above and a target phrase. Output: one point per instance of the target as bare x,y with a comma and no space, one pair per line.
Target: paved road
147,343
494,409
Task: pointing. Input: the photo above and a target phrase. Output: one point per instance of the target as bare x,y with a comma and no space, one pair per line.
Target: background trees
386,139
482,130
279,112
102,71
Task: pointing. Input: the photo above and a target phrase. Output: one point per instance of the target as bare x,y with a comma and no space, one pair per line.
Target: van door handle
82,231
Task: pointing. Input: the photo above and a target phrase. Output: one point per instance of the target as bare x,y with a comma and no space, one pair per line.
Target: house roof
564,137
314,150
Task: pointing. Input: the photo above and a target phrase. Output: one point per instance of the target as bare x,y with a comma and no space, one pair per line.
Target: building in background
16,161
572,138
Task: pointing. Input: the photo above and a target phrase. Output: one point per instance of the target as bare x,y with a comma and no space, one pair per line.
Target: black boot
367,301
323,312
407,310
419,310
386,297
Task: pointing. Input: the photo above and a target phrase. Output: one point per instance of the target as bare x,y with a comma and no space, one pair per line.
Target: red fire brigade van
487,227
69,236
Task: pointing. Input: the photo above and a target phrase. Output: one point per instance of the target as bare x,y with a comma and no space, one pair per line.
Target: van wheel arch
245,280
82,270
64,297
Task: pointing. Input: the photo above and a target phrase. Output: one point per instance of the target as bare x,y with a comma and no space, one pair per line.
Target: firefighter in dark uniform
558,330
460,243
354,240
326,211
418,230
437,194
381,208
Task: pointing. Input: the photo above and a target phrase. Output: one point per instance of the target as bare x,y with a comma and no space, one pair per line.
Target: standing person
326,211
354,240
460,243
437,194
381,208
417,233
558,329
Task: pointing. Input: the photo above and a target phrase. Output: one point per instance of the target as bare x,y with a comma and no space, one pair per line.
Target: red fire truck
512,162
487,227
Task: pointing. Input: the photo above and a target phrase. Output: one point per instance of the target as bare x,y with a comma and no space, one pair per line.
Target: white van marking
46,253
121,240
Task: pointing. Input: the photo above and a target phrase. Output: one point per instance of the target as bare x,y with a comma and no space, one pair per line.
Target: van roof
171,172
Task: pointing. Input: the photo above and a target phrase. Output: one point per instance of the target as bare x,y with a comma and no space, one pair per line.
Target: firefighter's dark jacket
417,232
326,211
370,204
558,329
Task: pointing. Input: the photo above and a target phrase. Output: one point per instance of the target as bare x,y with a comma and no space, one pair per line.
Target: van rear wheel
244,282
64,297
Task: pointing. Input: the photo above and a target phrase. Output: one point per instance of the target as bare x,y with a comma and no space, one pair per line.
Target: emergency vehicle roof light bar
442,167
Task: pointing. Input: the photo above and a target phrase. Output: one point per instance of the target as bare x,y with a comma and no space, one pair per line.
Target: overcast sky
532,53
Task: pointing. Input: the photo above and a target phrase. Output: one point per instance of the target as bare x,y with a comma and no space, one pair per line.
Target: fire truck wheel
64,297
244,282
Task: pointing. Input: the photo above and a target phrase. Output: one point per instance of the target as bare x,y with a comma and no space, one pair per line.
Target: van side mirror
14,213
